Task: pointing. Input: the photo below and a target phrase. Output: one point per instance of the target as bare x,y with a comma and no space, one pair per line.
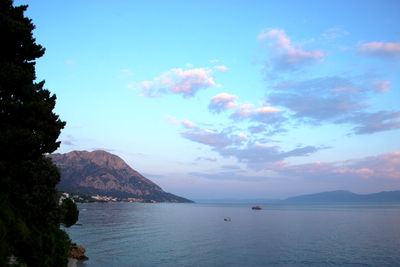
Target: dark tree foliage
30,216
70,212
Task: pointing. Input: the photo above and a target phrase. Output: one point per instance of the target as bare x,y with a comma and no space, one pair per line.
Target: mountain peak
101,172
100,157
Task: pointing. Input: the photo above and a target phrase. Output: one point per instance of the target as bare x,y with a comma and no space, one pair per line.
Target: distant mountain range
103,173
339,196
347,196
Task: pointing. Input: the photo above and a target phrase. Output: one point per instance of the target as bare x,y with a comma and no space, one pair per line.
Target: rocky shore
76,252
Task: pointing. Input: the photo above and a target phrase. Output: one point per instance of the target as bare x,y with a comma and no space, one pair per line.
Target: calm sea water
131,234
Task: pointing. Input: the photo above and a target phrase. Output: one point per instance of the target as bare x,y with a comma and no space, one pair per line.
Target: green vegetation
30,216
70,212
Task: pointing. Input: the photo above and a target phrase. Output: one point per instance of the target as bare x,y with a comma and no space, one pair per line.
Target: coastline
72,262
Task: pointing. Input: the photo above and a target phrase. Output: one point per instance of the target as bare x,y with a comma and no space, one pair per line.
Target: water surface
136,234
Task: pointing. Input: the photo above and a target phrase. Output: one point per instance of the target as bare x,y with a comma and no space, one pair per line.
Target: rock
77,252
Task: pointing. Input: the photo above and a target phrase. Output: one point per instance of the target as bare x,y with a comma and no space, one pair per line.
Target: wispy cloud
221,68
207,159
383,86
368,123
334,33
188,124
179,81
381,50
67,142
384,166
259,156
171,119
208,137
285,54
323,98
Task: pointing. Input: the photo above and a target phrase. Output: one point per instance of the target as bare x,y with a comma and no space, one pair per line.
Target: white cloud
222,102
286,55
179,81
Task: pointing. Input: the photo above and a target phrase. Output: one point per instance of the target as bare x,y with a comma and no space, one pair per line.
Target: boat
227,219
256,208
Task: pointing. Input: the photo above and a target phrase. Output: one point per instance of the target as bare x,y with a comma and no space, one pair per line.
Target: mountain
103,173
347,196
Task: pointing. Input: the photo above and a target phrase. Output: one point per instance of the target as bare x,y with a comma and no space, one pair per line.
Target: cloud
188,124
334,33
207,159
383,86
171,119
368,123
232,174
255,155
230,167
323,98
67,142
213,60
222,102
243,111
336,99
384,166
179,81
221,68
286,55
380,49
340,173
242,137
259,156
208,137
70,63
264,114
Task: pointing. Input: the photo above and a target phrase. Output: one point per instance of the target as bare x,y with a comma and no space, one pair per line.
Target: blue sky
230,99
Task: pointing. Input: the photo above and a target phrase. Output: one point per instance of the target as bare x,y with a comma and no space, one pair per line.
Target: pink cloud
384,166
286,54
221,68
222,102
383,86
380,49
179,81
242,137
266,110
188,124
243,111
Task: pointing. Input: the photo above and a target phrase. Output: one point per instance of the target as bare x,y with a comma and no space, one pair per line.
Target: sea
139,234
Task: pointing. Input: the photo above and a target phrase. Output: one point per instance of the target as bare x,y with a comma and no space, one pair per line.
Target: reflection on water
136,234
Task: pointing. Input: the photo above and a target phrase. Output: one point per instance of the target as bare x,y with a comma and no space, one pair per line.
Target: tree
70,212
30,216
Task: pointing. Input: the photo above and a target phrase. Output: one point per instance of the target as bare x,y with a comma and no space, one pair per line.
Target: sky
230,99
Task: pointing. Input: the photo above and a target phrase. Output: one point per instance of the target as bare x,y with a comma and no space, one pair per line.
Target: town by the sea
144,234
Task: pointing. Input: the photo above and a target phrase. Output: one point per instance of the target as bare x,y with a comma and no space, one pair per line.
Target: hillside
103,173
347,196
